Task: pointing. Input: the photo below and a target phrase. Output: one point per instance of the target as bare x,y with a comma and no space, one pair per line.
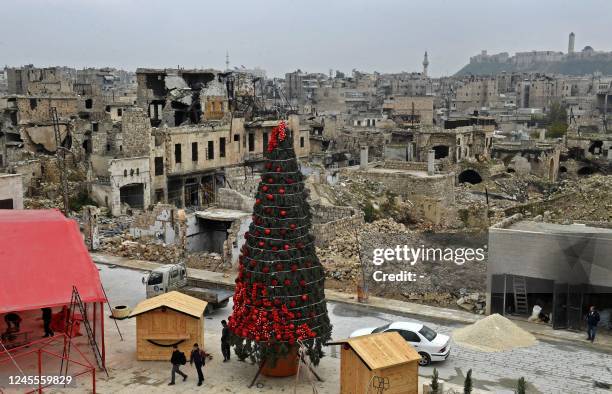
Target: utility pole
60,154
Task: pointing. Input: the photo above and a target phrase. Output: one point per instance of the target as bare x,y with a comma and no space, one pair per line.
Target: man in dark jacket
198,357
177,359
46,317
225,345
592,319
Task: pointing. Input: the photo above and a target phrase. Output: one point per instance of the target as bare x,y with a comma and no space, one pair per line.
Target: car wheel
425,359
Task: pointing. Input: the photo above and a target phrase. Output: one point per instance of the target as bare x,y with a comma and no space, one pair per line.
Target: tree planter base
286,366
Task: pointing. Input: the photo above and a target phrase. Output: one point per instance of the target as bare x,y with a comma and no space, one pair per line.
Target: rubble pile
357,191
474,302
125,246
207,261
589,199
341,256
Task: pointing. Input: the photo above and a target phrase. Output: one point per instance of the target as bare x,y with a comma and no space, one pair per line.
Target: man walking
592,319
46,317
178,358
225,345
198,357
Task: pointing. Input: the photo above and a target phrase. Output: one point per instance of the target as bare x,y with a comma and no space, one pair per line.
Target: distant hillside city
586,61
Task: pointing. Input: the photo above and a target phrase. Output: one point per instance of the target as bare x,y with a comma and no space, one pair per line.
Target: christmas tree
279,297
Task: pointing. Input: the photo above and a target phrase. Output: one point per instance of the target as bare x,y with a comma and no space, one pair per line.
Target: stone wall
242,180
135,133
36,109
432,196
331,222
161,223
410,185
231,199
406,165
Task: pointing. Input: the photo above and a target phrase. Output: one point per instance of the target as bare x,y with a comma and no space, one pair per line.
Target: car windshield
428,333
380,329
155,278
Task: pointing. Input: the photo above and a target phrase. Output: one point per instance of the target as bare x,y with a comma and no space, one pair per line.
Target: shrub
467,385
521,386
434,382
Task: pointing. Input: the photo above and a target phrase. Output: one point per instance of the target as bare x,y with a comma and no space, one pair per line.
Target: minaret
570,45
425,65
226,60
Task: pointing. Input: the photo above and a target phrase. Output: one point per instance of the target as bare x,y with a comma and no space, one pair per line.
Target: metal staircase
519,285
76,303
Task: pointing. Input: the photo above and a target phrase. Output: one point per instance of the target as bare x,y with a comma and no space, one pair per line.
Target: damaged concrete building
529,157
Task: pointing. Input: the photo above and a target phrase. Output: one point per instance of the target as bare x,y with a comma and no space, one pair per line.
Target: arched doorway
470,176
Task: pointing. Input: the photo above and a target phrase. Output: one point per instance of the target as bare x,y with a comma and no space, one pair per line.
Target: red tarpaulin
42,255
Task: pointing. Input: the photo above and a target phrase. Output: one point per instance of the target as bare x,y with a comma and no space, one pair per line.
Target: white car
430,345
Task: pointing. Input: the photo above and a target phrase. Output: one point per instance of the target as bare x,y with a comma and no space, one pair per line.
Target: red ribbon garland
278,134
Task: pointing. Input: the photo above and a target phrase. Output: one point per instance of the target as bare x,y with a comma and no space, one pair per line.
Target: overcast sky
284,35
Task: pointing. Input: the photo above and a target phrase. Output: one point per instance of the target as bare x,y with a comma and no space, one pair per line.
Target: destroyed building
529,157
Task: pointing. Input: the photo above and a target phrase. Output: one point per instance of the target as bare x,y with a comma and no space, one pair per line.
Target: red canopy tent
42,256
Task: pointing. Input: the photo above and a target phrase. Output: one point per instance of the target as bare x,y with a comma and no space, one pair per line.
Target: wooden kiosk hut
169,319
374,363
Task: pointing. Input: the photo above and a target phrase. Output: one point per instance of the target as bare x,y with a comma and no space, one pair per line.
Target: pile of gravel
494,333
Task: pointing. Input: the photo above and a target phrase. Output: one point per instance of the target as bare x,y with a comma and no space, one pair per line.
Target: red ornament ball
286,247
270,180
279,169
287,282
283,213
270,197
292,226
267,231
279,267
304,297
302,283
274,282
294,267
264,188
281,190
257,201
265,269
261,244
292,304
